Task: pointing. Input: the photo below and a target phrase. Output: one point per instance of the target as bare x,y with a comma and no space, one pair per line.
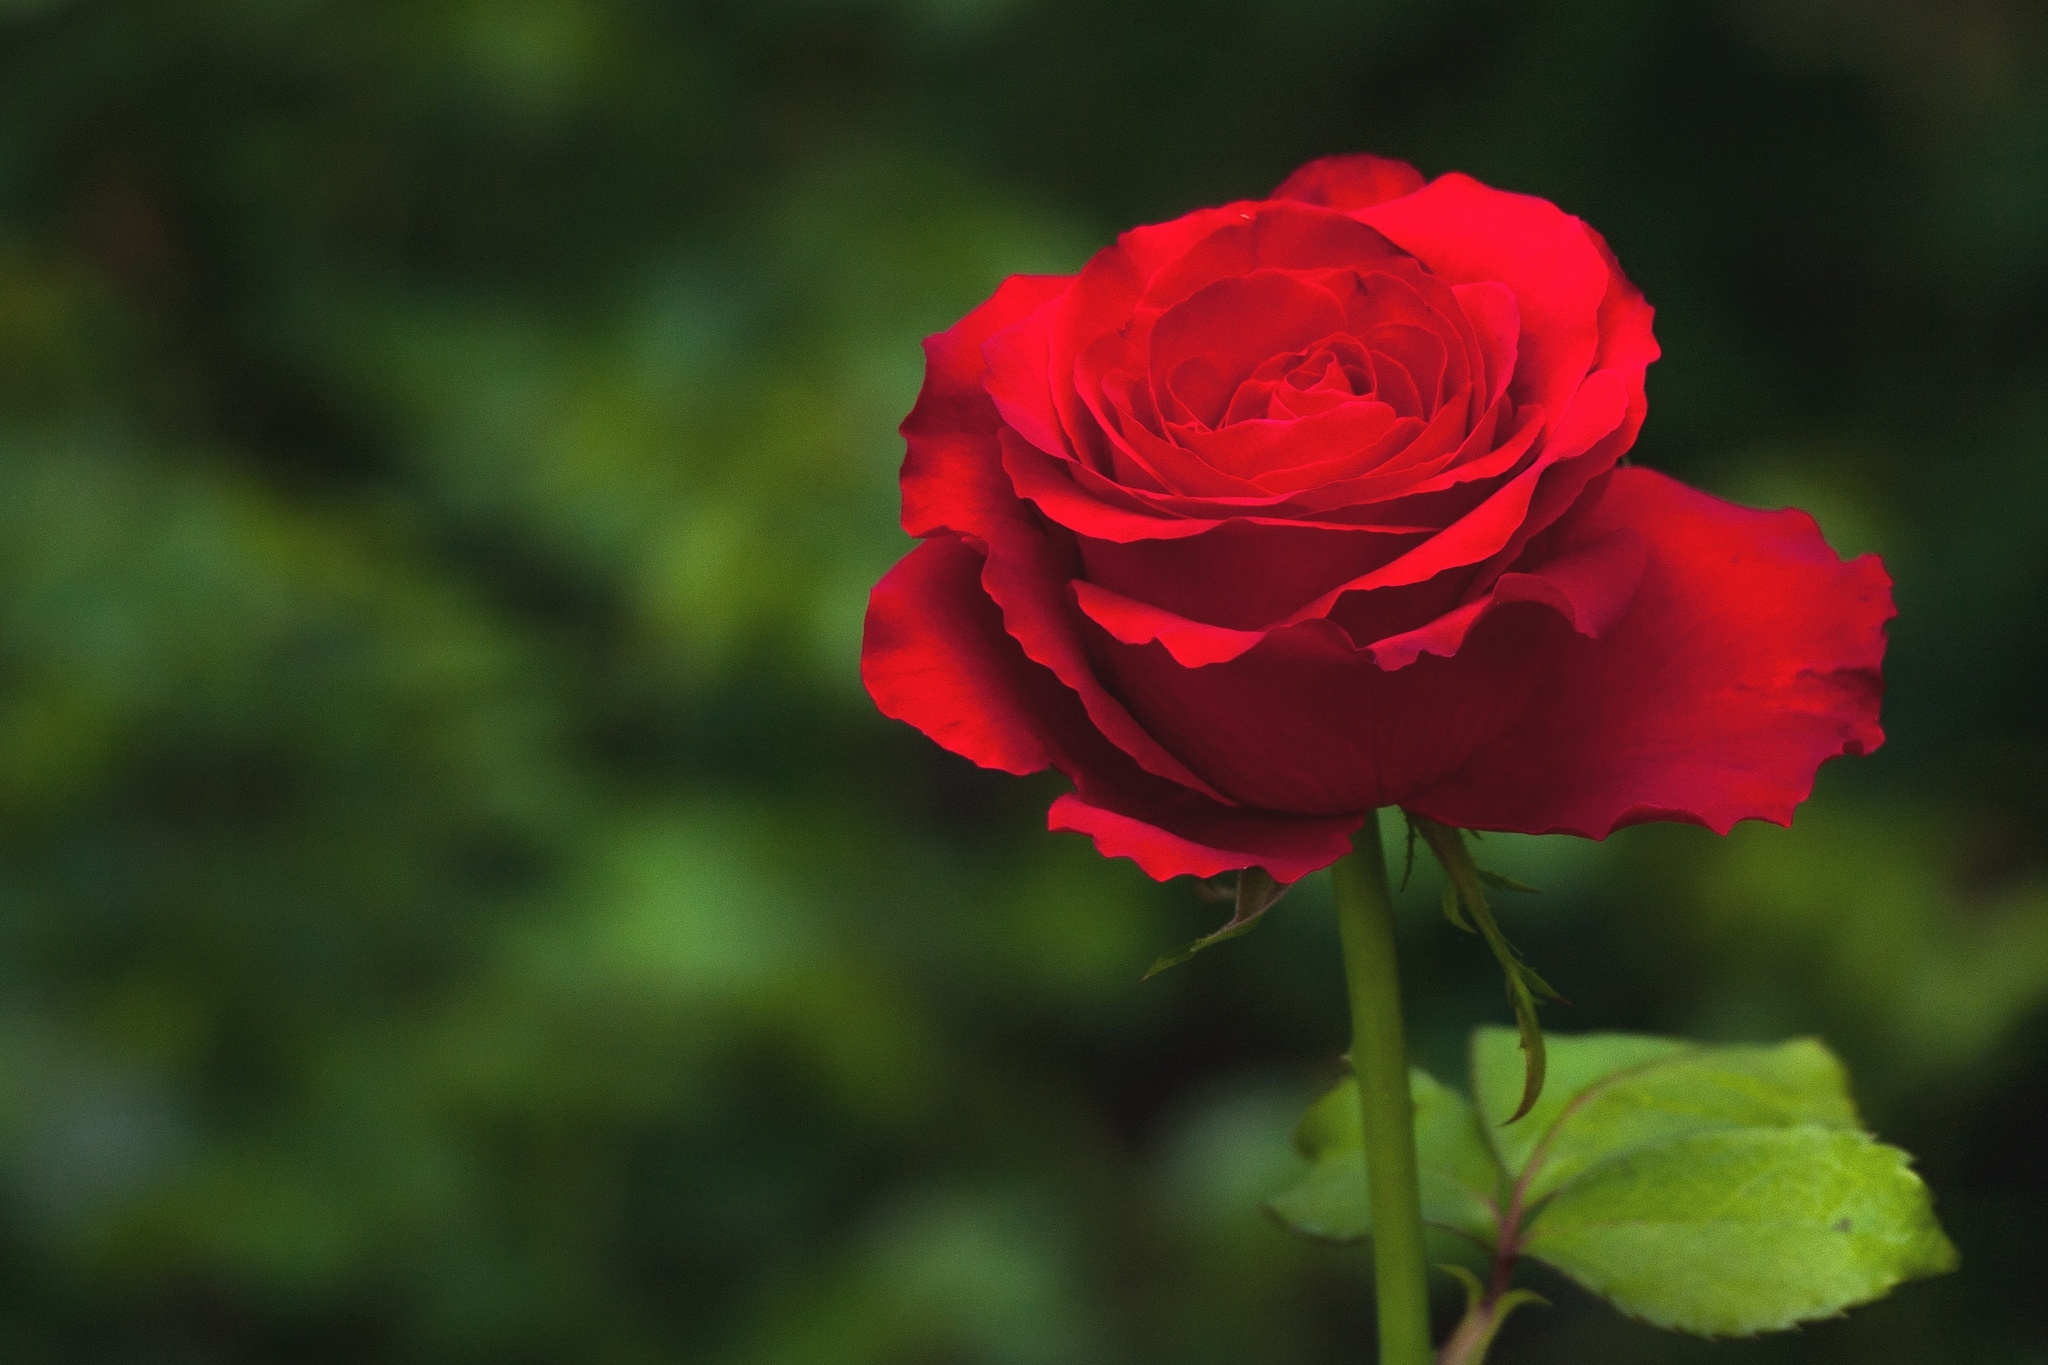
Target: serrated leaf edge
1946,1263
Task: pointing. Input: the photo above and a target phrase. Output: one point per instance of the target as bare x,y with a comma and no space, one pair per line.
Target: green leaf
1580,1061
1718,1190
1257,893
1501,881
1616,1092
1408,859
1460,1178
1454,912
1744,1230
1524,986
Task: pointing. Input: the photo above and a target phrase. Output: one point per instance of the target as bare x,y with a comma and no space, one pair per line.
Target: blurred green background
456,902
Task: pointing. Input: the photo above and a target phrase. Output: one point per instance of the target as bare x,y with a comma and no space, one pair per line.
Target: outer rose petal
1626,341
1590,585
1350,182
953,480
1306,722
1216,839
1749,657
949,477
1466,232
935,655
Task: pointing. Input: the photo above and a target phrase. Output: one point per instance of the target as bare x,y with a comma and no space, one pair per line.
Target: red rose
1294,508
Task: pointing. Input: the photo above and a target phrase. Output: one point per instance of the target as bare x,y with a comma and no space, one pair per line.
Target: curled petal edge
935,655
1288,847
1750,656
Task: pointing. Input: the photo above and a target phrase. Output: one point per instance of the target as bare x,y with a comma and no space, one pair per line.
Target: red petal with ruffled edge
1304,721
1218,838
1578,650
935,654
953,480
1749,657
1466,233
949,479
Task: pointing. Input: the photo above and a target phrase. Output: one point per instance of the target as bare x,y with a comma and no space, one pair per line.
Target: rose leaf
1722,1191
1743,1231
1465,906
1257,893
1461,1178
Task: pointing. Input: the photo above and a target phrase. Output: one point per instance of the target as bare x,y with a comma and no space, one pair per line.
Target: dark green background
456,902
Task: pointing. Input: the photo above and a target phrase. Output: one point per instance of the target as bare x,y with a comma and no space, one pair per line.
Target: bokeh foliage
456,903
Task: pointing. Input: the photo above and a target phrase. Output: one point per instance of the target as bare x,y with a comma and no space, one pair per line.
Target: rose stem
1379,1059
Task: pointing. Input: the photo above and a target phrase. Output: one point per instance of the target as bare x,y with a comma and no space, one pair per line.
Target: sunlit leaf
1744,1230
1719,1190
1612,1093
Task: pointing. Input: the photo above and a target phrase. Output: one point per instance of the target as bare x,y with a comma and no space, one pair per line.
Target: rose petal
1193,644
1122,403
1590,585
1495,323
1101,302
1749,657
1382,495
1626,341
1466,232
1017,372
1246,573
1350,182
1419,355
1230,328
1211,839
1627,345
1409,443
954,480
1364,430
1285,236
1027,574
935,655
1306,722
1599,425
951,470
1066,494
1075,497
1512,515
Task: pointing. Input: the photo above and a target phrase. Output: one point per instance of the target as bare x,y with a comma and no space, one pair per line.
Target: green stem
1467,1345
1379,1059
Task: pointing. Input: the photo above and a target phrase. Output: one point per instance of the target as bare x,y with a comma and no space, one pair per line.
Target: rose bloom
1298,507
